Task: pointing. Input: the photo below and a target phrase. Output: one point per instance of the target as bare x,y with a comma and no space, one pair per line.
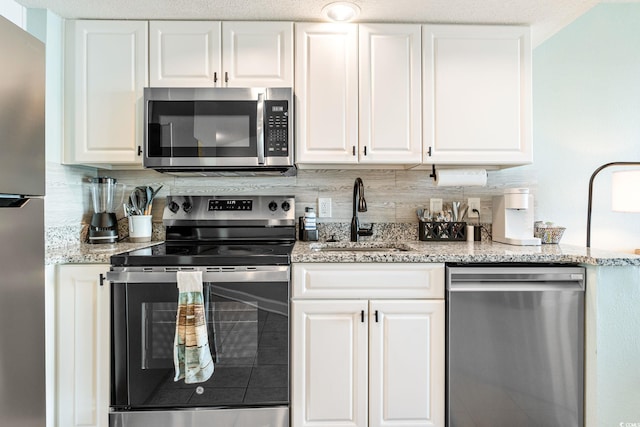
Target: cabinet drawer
367,280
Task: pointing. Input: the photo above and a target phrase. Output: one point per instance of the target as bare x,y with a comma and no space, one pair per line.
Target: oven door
246,313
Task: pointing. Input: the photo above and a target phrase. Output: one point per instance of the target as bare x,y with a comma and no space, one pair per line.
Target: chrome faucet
359,205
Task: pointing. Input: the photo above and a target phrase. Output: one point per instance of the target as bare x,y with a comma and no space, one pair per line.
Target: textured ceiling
544,16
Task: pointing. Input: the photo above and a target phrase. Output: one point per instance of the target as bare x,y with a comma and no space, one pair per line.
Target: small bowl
549,234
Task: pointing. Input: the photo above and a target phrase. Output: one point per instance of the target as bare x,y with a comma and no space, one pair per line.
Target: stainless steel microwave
208,131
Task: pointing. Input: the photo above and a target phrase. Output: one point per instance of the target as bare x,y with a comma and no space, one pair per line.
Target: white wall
612,346
586,112
13,12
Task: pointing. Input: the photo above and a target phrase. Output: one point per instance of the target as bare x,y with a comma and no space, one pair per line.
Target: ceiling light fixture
341,11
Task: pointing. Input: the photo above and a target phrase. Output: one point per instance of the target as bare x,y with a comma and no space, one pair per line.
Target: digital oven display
230,205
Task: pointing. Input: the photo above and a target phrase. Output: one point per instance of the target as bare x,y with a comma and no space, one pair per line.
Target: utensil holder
140,228
435,231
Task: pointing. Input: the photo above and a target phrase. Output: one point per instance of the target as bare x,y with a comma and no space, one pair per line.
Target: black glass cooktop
232,254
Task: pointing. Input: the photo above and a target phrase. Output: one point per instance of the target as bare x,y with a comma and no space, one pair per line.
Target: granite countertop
472,252
86,253
415,251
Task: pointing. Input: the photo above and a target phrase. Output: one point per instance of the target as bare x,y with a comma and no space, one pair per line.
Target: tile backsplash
392,195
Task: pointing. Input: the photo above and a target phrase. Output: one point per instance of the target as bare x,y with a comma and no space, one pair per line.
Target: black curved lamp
589,205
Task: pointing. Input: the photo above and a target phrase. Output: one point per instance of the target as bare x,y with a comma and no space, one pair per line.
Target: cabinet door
329,363
105,74
326,93
477,95
257,54
184,54
406,363
82,346
390,94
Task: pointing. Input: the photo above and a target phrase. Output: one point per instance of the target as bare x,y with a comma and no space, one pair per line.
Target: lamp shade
625,191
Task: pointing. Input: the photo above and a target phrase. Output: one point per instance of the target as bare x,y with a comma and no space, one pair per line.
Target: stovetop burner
168,254
221,230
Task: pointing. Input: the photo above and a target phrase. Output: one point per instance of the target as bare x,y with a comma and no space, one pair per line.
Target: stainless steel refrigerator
22,185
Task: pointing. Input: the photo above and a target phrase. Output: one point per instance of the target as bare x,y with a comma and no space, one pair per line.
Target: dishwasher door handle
524,286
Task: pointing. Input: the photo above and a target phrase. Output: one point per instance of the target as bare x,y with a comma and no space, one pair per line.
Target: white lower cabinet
362,361
406,363
82,346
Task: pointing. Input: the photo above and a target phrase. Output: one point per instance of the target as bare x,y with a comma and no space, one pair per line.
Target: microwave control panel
276,128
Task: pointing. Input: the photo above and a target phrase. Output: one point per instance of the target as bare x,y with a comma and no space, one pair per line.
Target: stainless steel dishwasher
515,346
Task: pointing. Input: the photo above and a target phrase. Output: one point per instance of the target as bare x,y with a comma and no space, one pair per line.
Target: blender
104,224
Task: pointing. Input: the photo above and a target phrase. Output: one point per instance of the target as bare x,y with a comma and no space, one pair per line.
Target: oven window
232,328
247,327
202,129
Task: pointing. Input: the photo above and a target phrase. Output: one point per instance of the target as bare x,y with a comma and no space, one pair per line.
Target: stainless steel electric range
242,245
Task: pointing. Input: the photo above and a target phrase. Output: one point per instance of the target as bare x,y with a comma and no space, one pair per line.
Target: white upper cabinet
215,54
358,92
256,54
477,95
326,88
105,74
390,97
184,54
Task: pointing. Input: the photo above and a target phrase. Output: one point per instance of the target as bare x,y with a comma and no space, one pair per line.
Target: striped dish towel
191,355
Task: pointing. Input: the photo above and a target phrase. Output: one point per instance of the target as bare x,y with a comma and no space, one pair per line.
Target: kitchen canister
140,227
470,232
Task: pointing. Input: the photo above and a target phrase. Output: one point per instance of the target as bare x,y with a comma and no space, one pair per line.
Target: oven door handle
274,274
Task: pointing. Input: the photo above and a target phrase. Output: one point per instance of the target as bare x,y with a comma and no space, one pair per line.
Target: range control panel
191,209
230,205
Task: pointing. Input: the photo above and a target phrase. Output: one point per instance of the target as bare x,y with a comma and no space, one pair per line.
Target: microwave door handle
260,128
170,125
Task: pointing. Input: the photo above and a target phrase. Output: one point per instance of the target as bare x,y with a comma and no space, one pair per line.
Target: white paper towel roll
461,177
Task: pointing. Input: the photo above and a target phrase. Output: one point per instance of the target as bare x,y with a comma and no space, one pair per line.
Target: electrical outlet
324,207
435,206
474,203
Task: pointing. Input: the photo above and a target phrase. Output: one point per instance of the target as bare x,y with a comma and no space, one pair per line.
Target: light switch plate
324,207
435,206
